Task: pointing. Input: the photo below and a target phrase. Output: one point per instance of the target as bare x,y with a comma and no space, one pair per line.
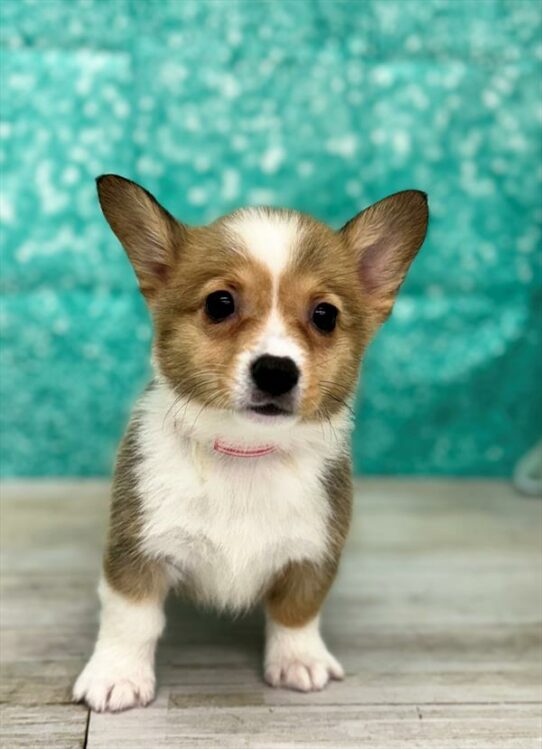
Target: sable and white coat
227,494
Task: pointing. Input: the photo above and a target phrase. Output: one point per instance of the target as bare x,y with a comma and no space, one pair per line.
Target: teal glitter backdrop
316,105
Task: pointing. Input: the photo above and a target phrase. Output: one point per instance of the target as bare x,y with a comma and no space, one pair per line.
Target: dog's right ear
150,235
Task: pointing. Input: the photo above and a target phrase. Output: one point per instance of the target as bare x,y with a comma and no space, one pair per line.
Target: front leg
120,672
296,656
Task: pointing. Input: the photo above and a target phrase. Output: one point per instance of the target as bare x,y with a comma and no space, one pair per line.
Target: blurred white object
528,472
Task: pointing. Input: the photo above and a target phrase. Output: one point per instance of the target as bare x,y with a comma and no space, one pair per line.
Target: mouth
269,409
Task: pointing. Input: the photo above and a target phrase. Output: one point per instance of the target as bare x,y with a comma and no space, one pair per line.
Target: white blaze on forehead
268,236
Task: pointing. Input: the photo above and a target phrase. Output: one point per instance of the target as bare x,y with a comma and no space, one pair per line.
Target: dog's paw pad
108,688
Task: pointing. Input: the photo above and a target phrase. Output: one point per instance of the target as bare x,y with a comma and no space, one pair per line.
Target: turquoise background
321,106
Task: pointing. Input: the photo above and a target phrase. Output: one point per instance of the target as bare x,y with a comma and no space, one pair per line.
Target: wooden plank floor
436,616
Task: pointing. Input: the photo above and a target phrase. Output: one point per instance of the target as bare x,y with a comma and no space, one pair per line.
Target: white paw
306,674
107,683
298,658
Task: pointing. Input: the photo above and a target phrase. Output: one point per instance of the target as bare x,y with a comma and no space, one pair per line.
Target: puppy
233,481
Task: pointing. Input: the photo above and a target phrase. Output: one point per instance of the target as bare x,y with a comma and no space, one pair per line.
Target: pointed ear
385,239
150,235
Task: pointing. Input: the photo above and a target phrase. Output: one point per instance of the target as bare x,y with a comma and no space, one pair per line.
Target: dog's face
265,313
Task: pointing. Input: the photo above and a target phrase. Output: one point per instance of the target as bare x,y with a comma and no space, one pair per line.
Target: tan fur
126,568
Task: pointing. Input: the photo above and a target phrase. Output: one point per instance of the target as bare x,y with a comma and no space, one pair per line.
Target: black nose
275,375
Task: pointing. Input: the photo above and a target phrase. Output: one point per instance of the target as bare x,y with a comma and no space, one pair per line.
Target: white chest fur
226,525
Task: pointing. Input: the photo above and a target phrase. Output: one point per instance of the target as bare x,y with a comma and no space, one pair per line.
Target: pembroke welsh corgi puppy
233,481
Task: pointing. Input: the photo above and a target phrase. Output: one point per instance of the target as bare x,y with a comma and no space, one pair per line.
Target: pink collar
226,448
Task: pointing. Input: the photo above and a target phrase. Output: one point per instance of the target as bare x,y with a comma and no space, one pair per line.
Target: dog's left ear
386,238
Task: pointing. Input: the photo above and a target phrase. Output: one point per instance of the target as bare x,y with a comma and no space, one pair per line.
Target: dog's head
265,313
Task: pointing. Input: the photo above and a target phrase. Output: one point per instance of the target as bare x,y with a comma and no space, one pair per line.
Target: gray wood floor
436,616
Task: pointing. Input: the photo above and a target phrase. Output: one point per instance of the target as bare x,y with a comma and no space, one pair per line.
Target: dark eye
219,305
324,316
